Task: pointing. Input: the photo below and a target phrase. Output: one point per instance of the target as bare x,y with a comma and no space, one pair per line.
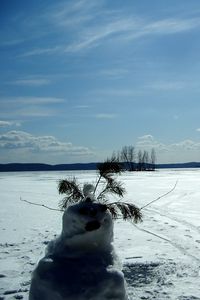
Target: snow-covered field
161,256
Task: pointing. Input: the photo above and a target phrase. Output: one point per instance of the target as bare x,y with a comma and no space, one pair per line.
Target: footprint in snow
187,235
188,298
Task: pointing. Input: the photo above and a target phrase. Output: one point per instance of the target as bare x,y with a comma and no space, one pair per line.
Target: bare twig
38,204
160,196
97,183
136,211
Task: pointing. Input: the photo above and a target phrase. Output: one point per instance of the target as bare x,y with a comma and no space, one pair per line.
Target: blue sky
80,79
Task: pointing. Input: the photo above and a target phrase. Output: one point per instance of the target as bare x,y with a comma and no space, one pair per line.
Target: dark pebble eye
93,212
103,208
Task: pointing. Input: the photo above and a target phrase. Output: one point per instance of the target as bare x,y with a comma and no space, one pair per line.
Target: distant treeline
25,167
18,167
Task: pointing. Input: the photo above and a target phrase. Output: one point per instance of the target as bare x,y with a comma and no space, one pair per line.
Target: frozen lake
161,256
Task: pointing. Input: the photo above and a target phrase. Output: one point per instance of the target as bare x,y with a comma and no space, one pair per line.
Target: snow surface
160,257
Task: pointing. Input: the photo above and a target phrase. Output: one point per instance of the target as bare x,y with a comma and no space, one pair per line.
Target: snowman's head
87,225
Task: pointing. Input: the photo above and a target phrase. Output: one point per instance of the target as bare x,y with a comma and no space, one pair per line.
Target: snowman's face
93,213
89,221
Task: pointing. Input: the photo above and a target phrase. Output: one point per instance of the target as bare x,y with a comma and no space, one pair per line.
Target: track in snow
181,234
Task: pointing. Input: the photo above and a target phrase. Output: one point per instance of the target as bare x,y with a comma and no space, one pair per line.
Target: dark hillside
20,167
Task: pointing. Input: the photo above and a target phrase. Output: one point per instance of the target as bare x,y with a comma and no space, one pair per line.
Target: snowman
81,263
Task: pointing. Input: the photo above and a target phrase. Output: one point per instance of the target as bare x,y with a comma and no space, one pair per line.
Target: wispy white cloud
167,85
128,28
148,141
105,116
5,123
112,73
35,111
9,123
74,13
88,24
82,106
12,42
116,92
16,140
198,129
170,152
173,25
163,27
31,100
29,107
143,89
71,17
94,35
31,82
42,51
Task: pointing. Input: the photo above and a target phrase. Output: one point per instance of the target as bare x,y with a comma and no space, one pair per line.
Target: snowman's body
80,264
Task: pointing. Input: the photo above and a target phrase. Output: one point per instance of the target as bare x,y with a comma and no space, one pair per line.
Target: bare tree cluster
136,161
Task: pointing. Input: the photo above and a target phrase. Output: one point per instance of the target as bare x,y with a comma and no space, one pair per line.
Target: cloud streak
43,51
31,82
16,140
74,13
8,124
167,85
31,100
105,116
88,24
129,30
30,106
176,152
